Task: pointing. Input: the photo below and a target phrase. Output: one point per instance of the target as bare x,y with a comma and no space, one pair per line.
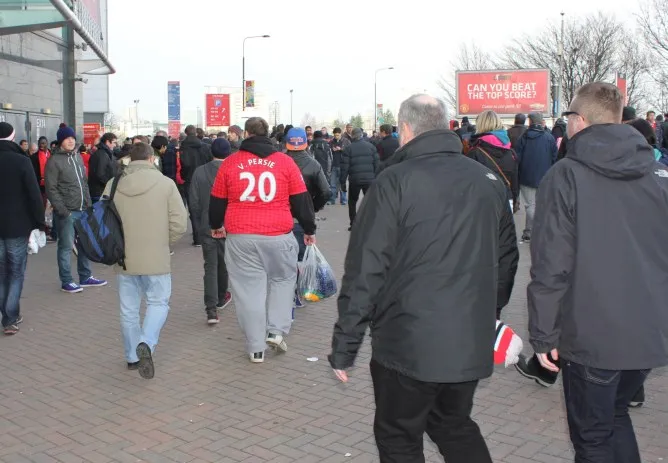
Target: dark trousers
407,408
353,196
193,220
215,271
298,231
598,416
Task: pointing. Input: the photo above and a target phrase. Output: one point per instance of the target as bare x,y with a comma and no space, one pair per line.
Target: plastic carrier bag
316,279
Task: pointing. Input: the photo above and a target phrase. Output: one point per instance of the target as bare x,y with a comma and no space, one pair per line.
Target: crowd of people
431,260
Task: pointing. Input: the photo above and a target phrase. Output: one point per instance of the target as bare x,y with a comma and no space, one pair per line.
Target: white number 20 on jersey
262,181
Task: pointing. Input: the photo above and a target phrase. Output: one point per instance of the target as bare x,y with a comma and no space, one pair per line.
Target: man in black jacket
101,167
194,153
322,152
597,296
359,164
22,211
428,282
517,130
337,143
387,144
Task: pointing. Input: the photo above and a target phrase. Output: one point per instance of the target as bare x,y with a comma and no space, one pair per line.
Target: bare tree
634,64
469,58
653,22
308,120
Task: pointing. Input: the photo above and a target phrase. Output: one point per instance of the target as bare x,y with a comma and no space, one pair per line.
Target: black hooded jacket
432,255
598,286
359,163
314,177
503,163
101,169
194,153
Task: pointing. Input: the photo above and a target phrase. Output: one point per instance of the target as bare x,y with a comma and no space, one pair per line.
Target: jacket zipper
76,172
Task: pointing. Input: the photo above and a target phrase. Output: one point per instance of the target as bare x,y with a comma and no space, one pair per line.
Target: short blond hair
488,121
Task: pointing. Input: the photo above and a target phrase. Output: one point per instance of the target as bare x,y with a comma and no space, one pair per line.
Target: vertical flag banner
622,86
174,108
380,120
91,131
250,94
217,110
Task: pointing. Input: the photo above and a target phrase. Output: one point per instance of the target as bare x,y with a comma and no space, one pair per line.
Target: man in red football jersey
256,194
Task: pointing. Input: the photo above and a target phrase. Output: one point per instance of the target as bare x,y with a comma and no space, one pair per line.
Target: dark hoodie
194,153
200,193
301,205
598,291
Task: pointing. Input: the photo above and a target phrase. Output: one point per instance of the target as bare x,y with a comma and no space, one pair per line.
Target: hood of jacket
498,138
106,149
535,131
259,146
319,141
616,151
211,170
6,145
138,178
435,141
61,152
191,141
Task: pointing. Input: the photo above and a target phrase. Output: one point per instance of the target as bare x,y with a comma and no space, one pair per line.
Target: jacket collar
259,146
440,141
8,145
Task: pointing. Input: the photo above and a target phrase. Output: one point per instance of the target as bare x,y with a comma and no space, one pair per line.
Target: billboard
217,110
622,86
174,129
504,92
91,131
174,100
250,94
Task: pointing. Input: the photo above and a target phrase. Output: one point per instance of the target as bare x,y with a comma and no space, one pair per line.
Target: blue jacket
536,153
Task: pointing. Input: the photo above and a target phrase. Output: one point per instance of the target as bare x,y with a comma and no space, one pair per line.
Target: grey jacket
200,192
66,183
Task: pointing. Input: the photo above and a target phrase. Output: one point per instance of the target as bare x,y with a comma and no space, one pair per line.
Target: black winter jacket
21,206
338,153
386,147
515,133
359,163
505,160
322,153
598,287
194,153
432,254
101,169
314,177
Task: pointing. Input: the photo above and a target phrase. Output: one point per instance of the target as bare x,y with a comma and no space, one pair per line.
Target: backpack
322,153
100,231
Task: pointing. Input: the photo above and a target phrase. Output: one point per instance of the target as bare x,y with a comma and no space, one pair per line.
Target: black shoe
639,399
133,366
526,238
350,228
145,367
533,370
212,316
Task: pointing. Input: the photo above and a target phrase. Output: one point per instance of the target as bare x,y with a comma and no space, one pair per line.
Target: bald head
419,114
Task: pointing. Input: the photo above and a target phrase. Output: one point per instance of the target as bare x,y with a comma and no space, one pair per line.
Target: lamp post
137,116
291,90
243,68
561,68
375,92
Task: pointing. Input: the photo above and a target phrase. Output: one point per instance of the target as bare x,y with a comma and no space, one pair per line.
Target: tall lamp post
291,90
243,68
375,92
561,68
137,116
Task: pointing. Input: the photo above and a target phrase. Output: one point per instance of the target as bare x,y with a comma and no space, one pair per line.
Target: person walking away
22,210
194,153
359,164
516,132
598,250
102,167
256,194
67,189
216,294
322,153
428,283
153,217
536,153
387,144
85,157
338,143
559,131
159,145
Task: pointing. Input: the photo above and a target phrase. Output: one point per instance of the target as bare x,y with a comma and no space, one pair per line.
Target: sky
327,55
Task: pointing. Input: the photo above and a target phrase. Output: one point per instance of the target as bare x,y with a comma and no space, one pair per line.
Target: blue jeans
298,231
13,259
335,186
157,289
66,234
598,416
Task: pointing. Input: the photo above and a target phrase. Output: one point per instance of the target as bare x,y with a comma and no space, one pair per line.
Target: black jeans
353,196
407,408
598,416
215,271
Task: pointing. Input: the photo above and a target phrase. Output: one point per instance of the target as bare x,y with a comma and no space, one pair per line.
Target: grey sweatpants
528,195
263,274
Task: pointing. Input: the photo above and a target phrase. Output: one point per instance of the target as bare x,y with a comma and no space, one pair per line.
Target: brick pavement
65,395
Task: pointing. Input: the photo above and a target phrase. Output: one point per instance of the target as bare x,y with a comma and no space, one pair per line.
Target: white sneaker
256,357
276,342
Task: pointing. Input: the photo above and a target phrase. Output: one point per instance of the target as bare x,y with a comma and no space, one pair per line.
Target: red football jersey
258,192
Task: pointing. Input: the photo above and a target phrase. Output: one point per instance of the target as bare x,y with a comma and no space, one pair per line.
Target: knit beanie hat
65,132
507,347
220,148
7,131
235,129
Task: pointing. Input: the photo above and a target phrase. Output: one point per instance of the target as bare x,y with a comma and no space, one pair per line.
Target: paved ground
65,395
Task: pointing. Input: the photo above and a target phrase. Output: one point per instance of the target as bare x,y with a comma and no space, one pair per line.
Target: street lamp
243,68
137,116
375,91
291,90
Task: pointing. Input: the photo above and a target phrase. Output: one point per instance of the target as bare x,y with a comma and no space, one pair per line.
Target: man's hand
220,233
545,362
342,375
309,240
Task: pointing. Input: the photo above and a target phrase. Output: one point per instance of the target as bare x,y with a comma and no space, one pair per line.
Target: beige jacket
153,217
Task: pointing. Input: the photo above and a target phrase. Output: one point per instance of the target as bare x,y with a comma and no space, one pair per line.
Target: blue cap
296,140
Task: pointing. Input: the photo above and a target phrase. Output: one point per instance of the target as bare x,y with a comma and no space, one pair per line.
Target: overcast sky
327,55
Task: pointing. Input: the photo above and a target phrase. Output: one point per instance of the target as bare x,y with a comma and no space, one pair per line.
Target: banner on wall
380,120
174,129
91,132
217,110
622,86
174,100
505,92
250,94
